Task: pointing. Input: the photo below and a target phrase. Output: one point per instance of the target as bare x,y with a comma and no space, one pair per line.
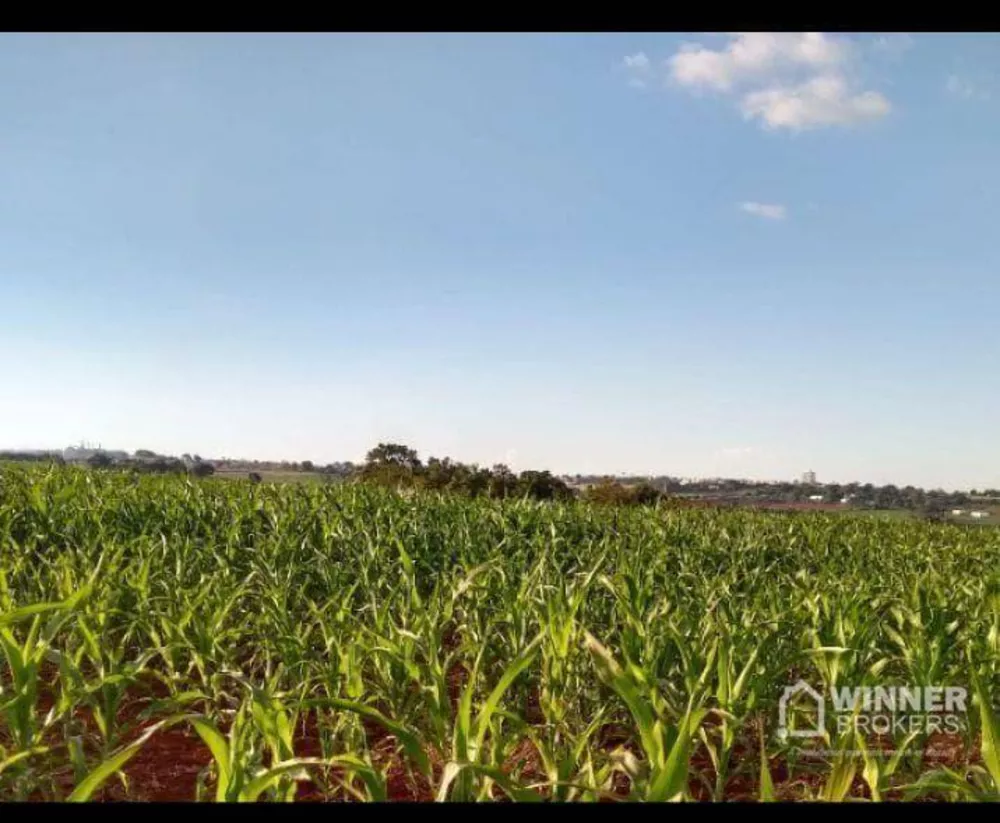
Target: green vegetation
858,495
397,466
609,492
346,641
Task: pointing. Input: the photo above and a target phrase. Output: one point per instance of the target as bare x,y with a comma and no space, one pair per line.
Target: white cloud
769,211
785,80
752,55
825,100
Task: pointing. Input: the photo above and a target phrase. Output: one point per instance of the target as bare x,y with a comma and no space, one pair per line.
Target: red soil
168,765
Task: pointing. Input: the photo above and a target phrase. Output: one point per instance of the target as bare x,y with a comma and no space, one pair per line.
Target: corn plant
343,641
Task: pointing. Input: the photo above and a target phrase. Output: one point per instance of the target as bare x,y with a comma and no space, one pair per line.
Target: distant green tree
502,481
645,495
476,482
933,509
608,492
888,497
393,454
437,475
391,464
542,485
611,492
99,461
307,465
202,469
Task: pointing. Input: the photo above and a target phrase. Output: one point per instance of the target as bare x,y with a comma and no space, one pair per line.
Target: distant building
809,478
958,512
816,498
979,515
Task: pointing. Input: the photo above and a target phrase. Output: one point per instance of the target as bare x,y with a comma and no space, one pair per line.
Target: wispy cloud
639,69
769,211
783,80
893,45
965,89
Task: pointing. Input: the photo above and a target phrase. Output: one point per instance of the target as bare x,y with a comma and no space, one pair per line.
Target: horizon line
614,475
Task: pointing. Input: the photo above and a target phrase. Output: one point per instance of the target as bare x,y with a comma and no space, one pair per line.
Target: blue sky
741,255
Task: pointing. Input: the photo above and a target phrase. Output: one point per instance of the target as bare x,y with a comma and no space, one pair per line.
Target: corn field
170,638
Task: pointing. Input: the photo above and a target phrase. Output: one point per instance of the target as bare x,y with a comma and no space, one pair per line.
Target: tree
608,492
476,482
503,481
306,465
391,464
933,509
393,454
439,474
145,454
201,469
611,492
888,497
99,461
645,495
542,486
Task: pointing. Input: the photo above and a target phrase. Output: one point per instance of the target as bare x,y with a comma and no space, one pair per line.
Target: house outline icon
790,691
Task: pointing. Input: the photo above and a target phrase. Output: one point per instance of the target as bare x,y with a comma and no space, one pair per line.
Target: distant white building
816,498
809,478
958,512
979,515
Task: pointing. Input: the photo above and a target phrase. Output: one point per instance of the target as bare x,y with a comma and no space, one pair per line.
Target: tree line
143,462
858,495
396,465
